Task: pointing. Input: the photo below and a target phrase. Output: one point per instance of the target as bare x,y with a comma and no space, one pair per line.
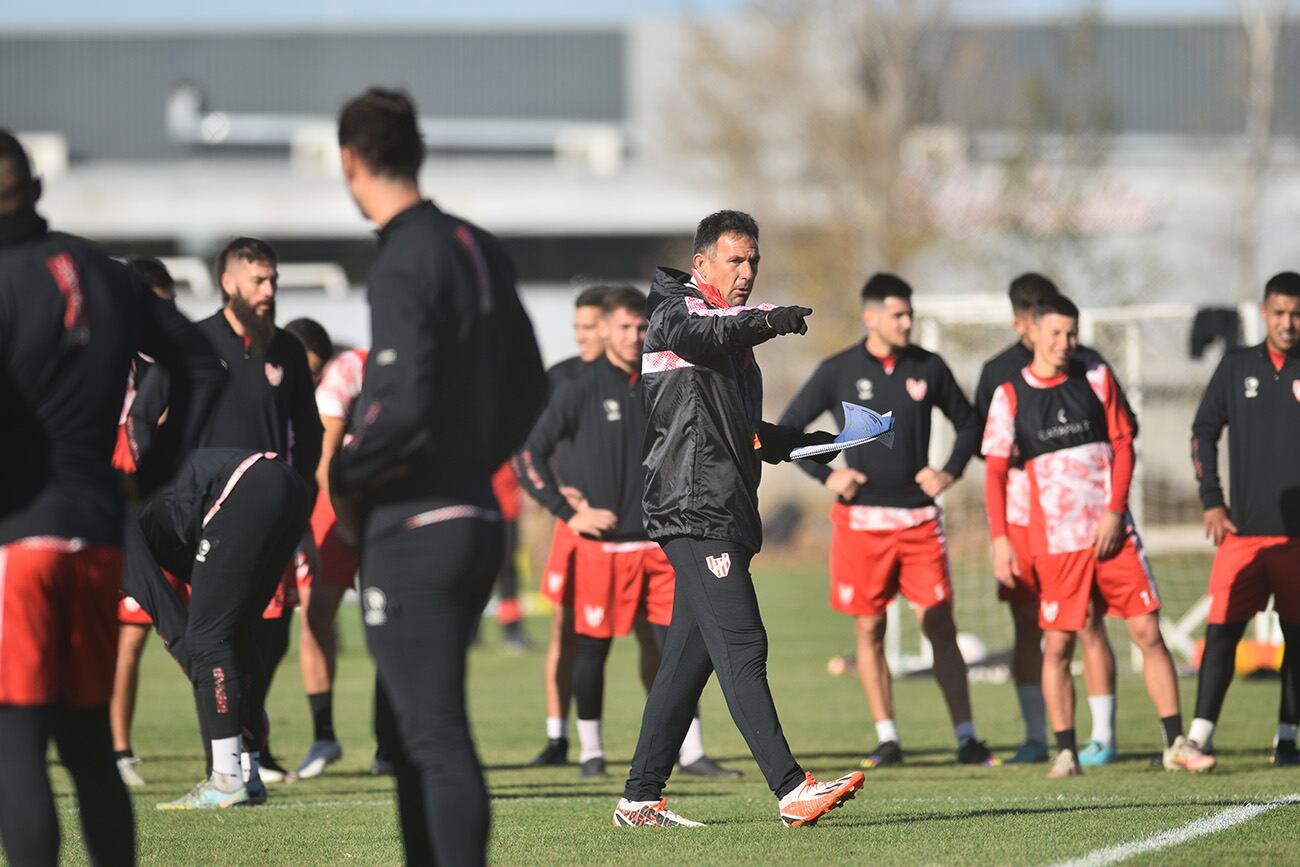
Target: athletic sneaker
593,767
514,641
320,754
811,800
256,792
1185,755
1066,764
707,767
885,753
128,768
1031,752
272,770
1284,753
973,752
1095,754
206,796
381,767
556,752
649,814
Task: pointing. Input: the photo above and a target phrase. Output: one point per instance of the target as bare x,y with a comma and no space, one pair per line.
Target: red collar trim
1278,358
711,295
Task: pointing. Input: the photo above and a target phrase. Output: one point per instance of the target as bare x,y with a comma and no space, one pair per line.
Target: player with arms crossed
703,451
1021,595
1255,391
887,535
1069,425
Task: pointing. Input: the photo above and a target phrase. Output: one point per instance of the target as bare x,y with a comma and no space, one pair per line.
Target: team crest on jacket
1295,388
865,391
274,374
613,412
720,565
916,388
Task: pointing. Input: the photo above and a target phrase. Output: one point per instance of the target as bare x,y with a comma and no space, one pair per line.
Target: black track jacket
705,434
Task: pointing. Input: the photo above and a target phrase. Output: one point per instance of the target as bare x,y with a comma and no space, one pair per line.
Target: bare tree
1263,21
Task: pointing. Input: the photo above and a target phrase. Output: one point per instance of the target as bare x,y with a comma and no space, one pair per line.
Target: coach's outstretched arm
697,332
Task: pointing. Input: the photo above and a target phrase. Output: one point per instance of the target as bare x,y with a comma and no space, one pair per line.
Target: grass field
930,811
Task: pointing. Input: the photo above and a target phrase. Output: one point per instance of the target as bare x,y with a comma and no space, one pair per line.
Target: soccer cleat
320,754
886,753
1284,753
206,796
707,767
128,768
256,792
1031,752
514,641
1185,755
593,767
1095,753
272,771
649,814
973,752
556,752
812,800
381,767
1066,764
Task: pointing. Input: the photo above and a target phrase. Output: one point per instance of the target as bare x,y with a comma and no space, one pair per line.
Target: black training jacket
71,320
566,463
1008,363
600,411
705,435
1261,408
919,381
269,403
454,380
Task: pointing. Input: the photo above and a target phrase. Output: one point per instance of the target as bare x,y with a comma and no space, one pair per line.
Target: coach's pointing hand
592,522
789,320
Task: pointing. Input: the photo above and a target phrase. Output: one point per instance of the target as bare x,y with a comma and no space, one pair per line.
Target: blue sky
250,14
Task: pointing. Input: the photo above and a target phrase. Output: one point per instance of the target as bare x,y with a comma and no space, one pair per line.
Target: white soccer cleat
812,800
649,814
1185,755
128,768
1066,764
320,754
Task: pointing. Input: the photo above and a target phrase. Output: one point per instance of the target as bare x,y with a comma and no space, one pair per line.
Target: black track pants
716,627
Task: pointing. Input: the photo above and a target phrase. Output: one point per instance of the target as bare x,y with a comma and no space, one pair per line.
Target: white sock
557,727
225,757
886,730
1103,718
589,737
251,765
692,745
1201,731
1033,711
965,731
1286,731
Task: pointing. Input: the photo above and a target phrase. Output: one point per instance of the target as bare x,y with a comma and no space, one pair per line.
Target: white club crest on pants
720,565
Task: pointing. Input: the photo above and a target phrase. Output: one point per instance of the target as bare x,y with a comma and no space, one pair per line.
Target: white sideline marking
1221,821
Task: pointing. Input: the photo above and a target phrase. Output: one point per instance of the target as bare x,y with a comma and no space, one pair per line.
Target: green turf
930,811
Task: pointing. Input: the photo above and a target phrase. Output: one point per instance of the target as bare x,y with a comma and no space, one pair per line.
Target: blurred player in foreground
1068,423
1255,392
704,447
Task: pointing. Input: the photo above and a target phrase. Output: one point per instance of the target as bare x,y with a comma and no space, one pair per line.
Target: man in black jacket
704,444
888,533
453,383
71,320
1255,392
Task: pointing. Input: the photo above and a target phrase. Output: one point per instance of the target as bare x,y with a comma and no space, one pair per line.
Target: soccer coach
704,441
452,386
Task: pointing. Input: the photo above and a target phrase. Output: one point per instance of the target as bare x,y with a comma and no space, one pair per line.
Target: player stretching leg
703,451
1066,420
1255,392
1022,599
620,576
888,535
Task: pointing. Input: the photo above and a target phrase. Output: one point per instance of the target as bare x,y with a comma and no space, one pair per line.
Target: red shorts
286,592
870,567
1246,570
1026,589
338,557
558,577
1067,583
614,582
58,623
130,613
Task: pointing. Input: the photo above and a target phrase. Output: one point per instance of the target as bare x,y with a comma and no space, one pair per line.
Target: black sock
123,754
1289,709
1065,741
1218,665
322,714
1170,728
